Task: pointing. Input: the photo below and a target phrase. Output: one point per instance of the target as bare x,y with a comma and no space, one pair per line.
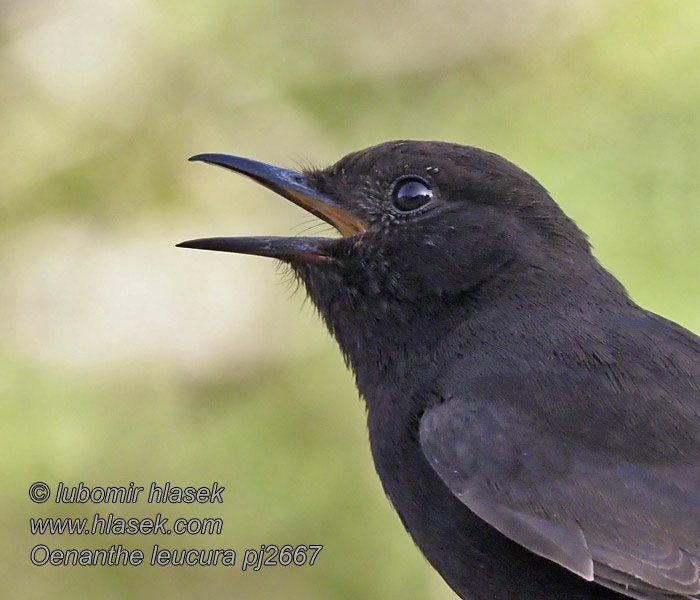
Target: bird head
424,226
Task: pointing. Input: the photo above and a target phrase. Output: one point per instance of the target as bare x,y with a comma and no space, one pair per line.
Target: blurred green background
125,359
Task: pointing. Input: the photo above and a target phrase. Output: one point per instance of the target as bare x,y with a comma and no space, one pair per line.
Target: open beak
291,185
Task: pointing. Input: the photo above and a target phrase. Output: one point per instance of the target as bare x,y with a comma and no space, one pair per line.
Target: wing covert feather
630,523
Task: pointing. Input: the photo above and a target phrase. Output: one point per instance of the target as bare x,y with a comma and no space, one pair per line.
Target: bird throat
382,337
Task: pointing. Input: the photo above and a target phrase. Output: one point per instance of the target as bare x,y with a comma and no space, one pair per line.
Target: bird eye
411,194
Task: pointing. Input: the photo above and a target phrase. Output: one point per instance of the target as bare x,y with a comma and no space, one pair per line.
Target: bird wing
596,475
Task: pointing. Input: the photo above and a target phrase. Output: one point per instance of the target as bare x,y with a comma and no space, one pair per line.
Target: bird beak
291,185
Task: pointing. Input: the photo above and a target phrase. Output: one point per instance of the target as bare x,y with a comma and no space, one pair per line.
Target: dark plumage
537,432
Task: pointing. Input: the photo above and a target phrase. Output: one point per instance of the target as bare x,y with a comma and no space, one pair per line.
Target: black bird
536,430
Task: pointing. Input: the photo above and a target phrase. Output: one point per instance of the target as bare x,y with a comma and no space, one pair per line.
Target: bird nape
537,432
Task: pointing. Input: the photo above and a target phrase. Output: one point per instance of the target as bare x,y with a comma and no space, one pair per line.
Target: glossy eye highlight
411,194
